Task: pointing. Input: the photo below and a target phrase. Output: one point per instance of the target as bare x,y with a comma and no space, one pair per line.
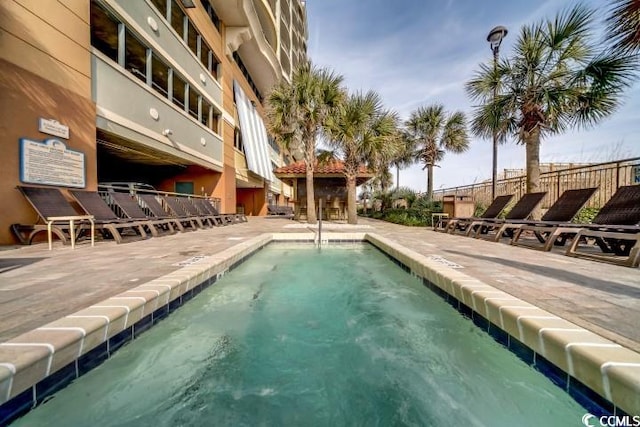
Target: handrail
607,176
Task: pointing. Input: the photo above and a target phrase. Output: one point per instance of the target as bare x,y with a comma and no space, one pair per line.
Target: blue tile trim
55,382
120,339
16,407
590,400
23,403
93,358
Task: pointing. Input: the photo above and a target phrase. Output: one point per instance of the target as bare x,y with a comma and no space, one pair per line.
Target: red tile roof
332,167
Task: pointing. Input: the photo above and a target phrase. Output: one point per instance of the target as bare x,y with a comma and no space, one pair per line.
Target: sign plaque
53,127
50,162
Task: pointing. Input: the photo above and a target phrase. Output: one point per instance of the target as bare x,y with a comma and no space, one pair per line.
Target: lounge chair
561,212
153,208
48,203
176,208
452,225
232,217
106,221
207,209
226,218
521,210
279,211
129,206
615,230
191,208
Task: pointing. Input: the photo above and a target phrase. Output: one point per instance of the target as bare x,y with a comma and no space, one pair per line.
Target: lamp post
495,39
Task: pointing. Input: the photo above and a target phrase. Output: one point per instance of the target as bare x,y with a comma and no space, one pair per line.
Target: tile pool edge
39,362
606,368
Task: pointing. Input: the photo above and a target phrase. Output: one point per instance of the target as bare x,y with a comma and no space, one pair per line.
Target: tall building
163,92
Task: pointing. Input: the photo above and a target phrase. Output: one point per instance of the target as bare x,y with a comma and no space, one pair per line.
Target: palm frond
623,25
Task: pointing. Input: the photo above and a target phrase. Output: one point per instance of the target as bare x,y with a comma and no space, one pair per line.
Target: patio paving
38,286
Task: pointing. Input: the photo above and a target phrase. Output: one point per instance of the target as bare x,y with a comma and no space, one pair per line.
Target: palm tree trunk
311,204
397,177
352,212
429,182
532,143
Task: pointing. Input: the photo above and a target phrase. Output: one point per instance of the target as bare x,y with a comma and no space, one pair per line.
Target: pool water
298,336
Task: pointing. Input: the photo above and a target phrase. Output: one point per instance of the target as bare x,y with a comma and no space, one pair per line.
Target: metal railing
607,177
104,191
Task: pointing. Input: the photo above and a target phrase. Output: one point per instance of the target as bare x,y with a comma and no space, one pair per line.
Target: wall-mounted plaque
50,162
53,127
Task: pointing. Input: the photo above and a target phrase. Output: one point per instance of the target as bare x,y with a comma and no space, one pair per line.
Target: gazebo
330,186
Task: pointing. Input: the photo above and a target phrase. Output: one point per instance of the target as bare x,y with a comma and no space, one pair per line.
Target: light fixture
167,132
495,39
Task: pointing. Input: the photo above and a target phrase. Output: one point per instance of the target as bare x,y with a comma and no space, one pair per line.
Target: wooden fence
607,177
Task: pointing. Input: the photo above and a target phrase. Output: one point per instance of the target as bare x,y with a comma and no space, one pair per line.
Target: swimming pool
334,336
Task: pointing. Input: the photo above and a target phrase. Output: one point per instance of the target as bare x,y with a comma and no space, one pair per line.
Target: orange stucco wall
25,98
253,200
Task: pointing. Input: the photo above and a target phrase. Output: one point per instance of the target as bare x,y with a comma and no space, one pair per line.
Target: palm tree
623,25
405,155
434,132
555,80
297,112
362,134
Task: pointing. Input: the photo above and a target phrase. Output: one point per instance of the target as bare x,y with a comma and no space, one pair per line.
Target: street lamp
495,39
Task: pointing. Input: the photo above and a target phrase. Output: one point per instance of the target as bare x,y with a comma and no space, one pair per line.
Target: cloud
416,53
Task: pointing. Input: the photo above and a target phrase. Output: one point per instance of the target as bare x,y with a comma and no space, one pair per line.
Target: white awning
254,135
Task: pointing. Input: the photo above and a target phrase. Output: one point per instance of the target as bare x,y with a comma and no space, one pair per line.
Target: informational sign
50,162
53,127
635,174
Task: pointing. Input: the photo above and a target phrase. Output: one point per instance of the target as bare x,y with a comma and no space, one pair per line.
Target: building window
273,144
215,121
247,76
214,66
237,139
192,38
161,5
159,75
104,32
205,52
135,57
179,87
177,18
211,13
193,103
205,117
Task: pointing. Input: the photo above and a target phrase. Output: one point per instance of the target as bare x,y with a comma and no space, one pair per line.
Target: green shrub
411,216
586,215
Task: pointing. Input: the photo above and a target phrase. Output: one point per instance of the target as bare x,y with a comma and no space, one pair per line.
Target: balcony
128,108
252,32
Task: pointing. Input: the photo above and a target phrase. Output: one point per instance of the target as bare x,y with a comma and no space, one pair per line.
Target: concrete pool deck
38,286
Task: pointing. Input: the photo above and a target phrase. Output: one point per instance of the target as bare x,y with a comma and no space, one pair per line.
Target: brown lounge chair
154,210
176,208
106,221
206,209
561,212
48,203
129,207
452,225
191,208
615,231
521,210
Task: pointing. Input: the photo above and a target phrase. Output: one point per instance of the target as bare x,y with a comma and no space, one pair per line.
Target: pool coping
36,364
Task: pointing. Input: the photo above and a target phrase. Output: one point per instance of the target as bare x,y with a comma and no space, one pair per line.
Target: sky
420,52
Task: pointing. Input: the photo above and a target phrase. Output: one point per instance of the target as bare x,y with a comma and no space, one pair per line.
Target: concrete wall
45,72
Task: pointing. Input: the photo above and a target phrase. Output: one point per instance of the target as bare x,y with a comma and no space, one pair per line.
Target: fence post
617,175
